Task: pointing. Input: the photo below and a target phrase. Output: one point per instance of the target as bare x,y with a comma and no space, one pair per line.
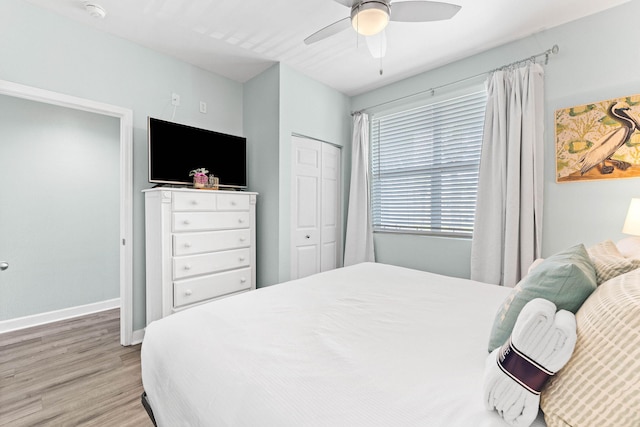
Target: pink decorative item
200,178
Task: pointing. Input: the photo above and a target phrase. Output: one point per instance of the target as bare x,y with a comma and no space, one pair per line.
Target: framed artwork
599,140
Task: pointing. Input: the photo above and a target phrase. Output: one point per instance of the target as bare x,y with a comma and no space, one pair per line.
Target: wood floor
71,373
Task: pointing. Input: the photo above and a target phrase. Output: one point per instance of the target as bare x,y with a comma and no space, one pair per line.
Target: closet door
305,215
330,252
315,216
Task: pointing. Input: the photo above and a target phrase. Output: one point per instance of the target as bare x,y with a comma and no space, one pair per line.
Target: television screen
175,150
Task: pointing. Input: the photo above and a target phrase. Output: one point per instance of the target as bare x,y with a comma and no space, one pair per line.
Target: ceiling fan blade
377,44
348,3
329,30
422,11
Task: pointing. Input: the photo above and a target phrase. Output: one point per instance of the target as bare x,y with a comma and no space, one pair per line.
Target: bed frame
147,407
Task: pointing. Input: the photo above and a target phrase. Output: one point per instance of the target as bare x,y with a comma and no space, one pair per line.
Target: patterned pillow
600,385
609,262
566,279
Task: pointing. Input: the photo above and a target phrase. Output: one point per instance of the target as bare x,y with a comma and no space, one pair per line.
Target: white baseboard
137,337
54,316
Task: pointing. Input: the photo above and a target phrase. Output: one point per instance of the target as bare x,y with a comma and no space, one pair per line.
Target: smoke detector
95,10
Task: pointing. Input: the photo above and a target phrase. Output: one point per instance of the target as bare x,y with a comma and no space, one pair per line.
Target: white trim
57,315
126,183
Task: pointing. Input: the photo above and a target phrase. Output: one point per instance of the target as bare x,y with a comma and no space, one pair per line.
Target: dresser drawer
233,202
195,265
195,221
190,291
195,243
193,201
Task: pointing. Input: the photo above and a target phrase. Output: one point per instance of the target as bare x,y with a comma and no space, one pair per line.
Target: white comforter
368,345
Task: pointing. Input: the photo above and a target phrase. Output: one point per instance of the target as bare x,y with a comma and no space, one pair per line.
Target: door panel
307,194
315,215
305,255
329,256
307,260
330,233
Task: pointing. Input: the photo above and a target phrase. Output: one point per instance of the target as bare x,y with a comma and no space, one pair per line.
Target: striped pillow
600,385
609,262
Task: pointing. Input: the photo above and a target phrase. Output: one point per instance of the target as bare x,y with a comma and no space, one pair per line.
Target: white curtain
359,237
508,225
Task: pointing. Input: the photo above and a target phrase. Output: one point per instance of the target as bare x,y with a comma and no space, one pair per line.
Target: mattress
366,345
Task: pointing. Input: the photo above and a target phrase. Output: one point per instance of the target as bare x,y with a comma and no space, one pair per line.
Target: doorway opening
125,117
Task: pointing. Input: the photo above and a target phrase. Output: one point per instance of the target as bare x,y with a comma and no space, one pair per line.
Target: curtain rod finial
555,49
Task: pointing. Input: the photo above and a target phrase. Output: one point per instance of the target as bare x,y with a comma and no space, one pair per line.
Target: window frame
426,103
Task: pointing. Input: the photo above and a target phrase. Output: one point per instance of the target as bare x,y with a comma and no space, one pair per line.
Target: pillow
629,247
600,385
566,279
609,262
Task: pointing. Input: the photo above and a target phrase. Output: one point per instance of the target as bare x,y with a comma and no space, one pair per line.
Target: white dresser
200,245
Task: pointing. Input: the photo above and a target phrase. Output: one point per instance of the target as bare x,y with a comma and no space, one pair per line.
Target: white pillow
629,247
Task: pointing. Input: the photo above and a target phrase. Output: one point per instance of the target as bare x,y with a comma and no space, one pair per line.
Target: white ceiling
241,38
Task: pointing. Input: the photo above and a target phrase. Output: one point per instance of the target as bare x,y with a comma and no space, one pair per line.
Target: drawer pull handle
242,258
186,222
242,239
188,292
240,220
187,267
233,203
307,237
187,245
242,280
194,202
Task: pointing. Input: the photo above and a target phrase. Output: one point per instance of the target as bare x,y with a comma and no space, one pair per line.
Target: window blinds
425,165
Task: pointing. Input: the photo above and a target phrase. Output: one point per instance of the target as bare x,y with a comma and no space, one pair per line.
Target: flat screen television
176,149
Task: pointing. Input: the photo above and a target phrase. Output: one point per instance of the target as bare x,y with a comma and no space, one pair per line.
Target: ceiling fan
369,17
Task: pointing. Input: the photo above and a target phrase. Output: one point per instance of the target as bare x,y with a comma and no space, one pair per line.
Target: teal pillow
566,279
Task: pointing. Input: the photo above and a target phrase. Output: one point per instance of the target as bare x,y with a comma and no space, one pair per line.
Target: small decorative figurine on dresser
200,178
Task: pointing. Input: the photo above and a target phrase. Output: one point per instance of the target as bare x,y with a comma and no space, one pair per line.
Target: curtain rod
554,50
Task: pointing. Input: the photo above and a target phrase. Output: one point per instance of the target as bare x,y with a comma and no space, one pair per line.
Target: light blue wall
261,126
59,216
599,58
590,67
41,49
294,103
311,109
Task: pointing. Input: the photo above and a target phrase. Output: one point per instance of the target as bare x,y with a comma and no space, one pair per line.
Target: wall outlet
203,107
175,99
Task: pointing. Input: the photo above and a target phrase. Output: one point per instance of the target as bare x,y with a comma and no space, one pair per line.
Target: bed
369,345
378,345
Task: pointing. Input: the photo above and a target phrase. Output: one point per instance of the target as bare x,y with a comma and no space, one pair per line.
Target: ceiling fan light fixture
370,17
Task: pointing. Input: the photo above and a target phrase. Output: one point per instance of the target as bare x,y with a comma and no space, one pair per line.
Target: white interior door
331,253
315,245
306,207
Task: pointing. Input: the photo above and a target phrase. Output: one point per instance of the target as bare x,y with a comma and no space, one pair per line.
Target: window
425,165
